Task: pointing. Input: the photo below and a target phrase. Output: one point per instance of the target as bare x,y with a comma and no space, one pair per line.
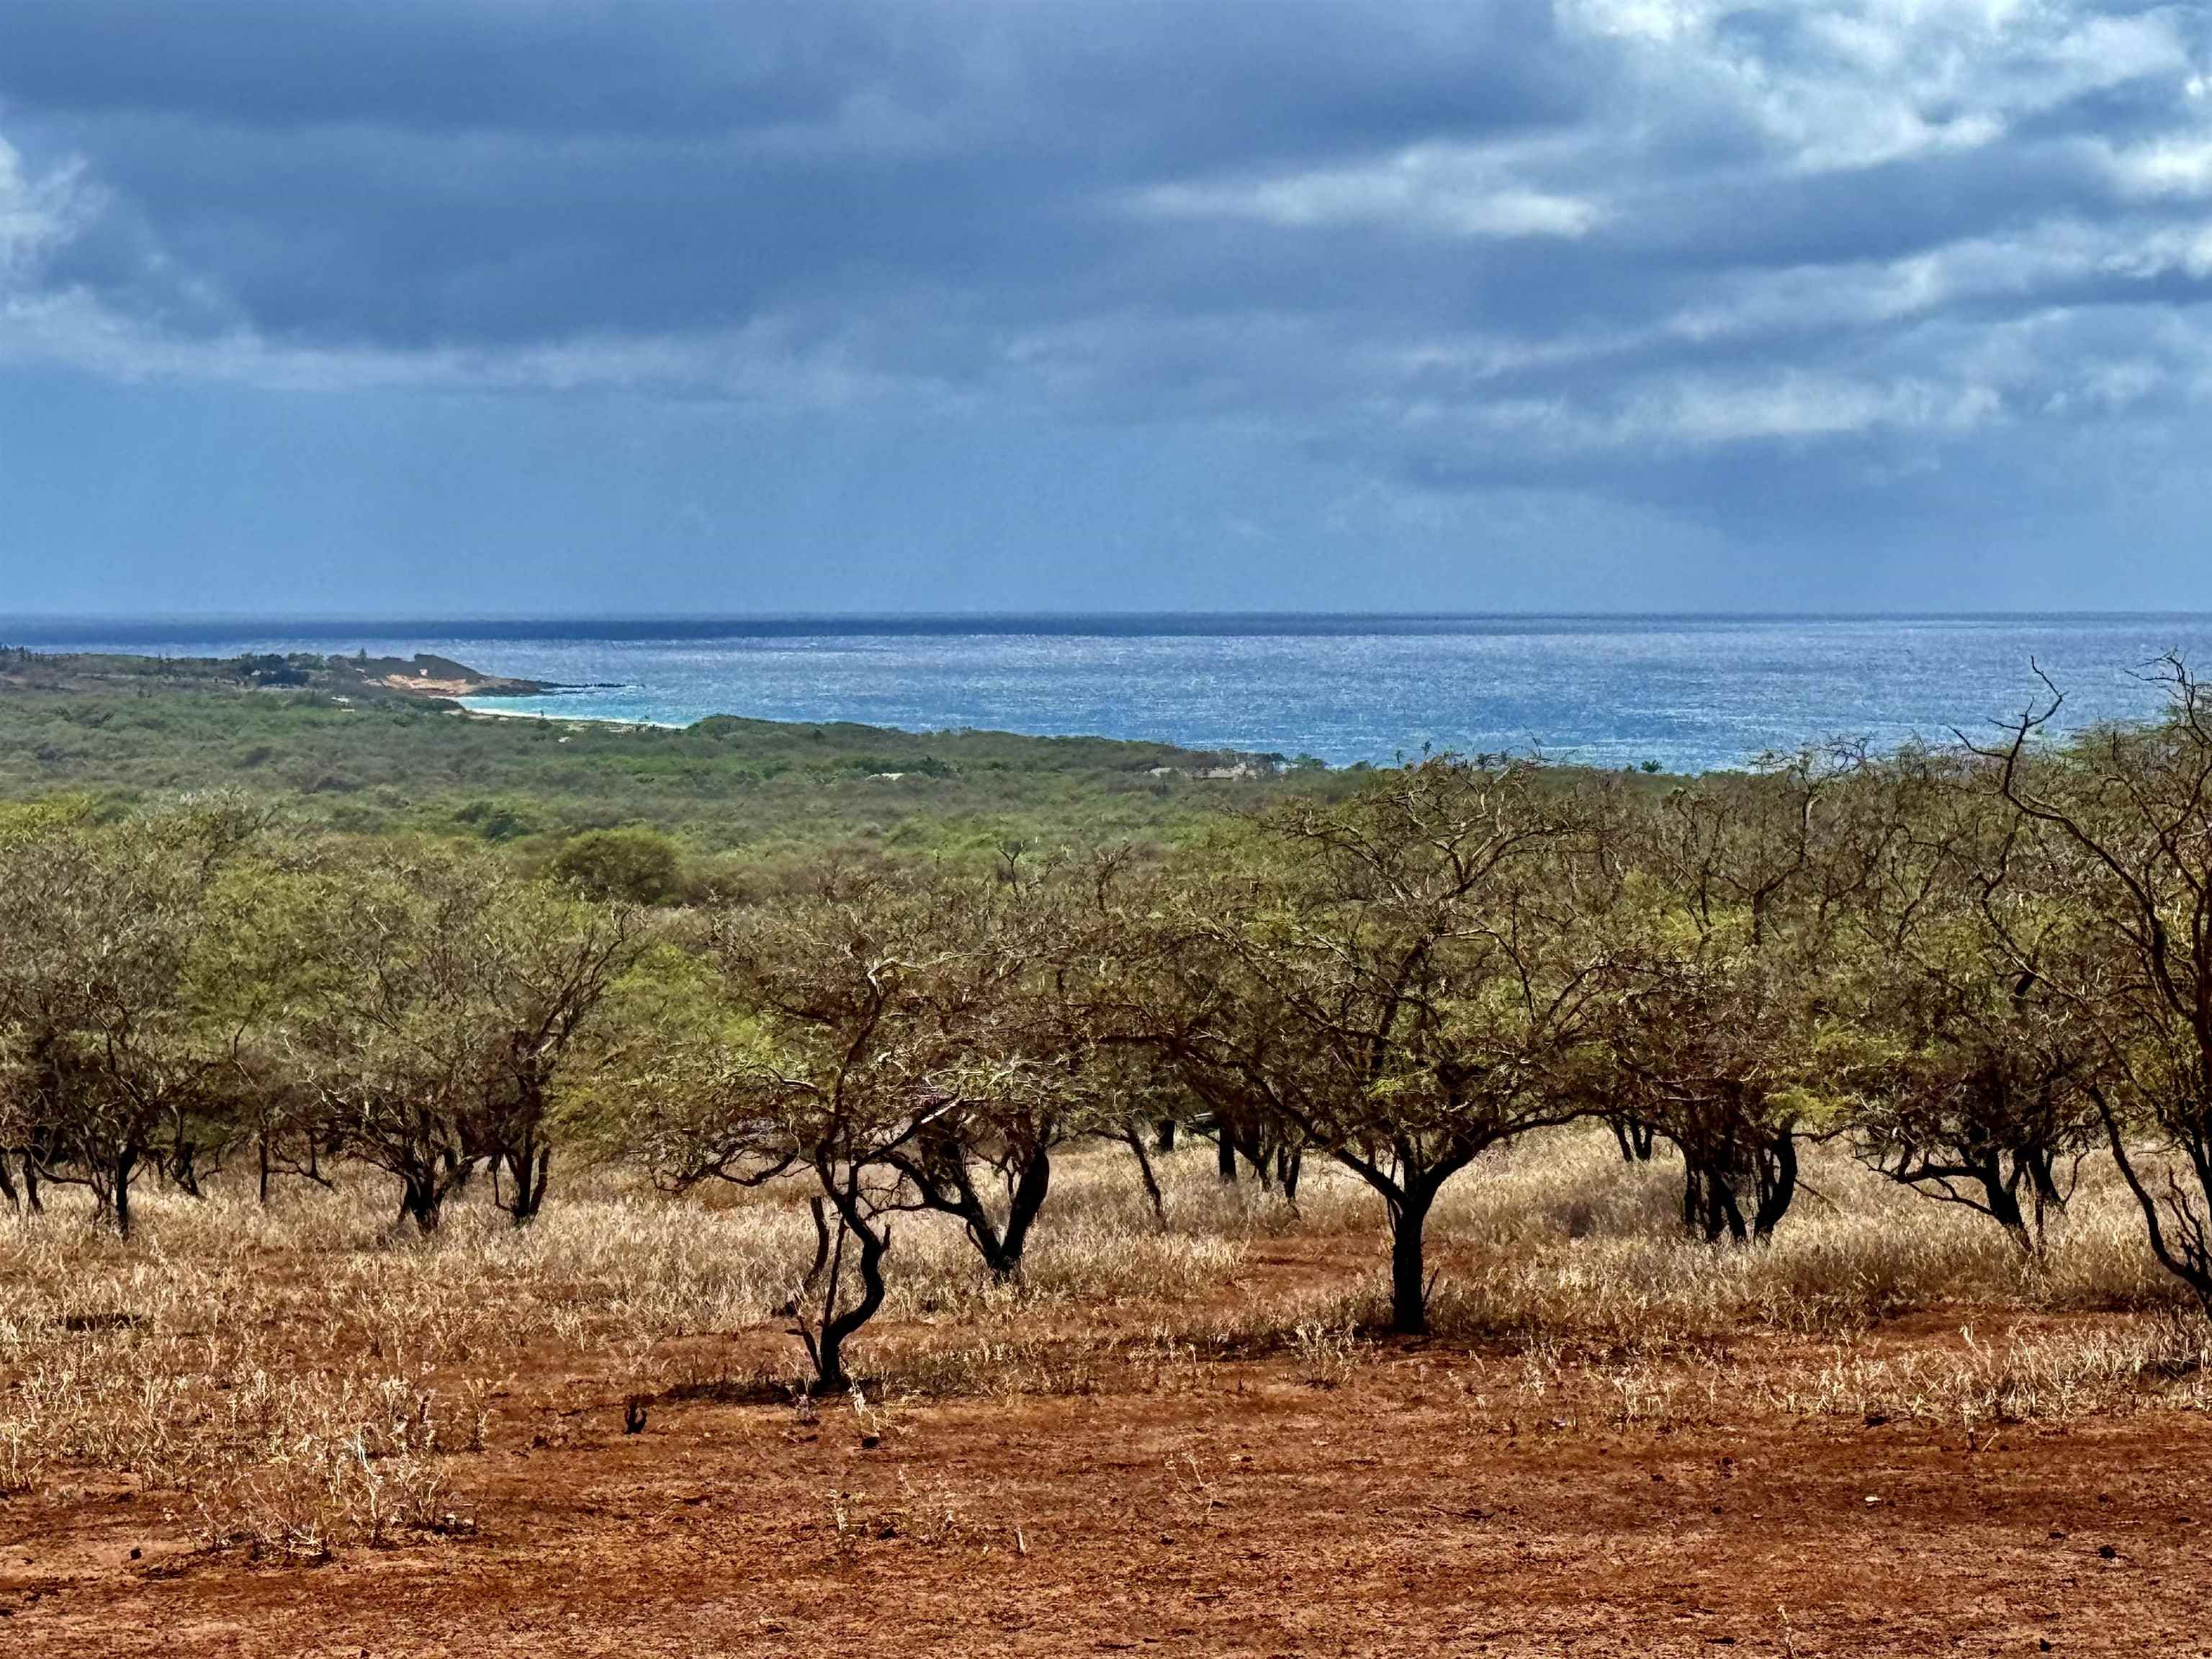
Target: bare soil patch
1430,1503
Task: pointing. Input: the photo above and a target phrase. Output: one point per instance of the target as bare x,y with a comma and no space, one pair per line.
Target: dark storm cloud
1658,249
1187,84
485,173
438,65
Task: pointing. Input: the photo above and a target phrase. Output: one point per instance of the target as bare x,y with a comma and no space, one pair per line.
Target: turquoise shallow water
1689,692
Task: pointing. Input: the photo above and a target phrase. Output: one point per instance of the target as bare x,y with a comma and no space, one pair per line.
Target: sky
436,308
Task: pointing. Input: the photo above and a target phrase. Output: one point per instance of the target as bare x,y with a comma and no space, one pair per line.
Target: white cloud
2169,166
39,214
2045,258
1851,86
1445,190
765,364
1698,412
1701,411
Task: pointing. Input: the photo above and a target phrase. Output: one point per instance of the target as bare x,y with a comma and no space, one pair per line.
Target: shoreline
618,721
468,707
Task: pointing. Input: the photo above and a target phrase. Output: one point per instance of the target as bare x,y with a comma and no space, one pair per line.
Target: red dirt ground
1242,1513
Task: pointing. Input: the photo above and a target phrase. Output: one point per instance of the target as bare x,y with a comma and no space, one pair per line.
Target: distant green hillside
336,740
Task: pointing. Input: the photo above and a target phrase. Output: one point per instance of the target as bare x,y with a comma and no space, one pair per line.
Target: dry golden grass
303,1376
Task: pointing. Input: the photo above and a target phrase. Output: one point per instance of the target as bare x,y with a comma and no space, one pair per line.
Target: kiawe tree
632,865
452,993
543,965
895,1037
117,1052
1727,968
1408,978
2117,885
1966,1064
1014,1074
385,1044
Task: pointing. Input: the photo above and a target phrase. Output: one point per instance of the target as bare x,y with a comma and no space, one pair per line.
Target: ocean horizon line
32,631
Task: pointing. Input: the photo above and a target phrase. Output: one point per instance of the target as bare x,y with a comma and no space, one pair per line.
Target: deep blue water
1690,692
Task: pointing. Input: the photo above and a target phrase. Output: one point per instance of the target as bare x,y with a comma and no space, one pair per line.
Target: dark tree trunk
1709,1204
184,1169
124,1167
529,1174
422,1199
1716,1186
2002,1199
940,1173
1290,1162
1778,1184
2043,1179
1724,1213
1635,1138
1225,1155
1135,1140
2004,1206
1409,1290
521,1145
1254,1151
1166,1143
1031,1186
2042,1172
820,1211
827,1345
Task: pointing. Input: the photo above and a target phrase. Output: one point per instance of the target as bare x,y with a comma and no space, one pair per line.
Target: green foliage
913,965
28,820
366,760
635,865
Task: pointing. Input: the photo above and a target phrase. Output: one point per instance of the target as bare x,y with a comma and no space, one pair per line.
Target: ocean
1689,692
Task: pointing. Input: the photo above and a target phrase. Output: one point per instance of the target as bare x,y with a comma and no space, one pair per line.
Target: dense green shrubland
362,760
